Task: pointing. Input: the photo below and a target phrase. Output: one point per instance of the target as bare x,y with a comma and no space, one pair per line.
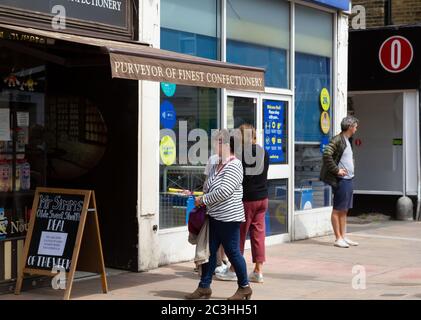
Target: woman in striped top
223,200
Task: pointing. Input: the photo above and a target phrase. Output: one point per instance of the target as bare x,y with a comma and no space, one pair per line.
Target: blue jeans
227,234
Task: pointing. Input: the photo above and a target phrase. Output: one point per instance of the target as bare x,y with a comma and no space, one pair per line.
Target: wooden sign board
64,236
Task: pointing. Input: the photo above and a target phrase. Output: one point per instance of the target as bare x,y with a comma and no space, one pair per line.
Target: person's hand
198,201
186,192
342,172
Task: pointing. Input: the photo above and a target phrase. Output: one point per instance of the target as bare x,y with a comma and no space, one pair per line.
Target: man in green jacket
338,171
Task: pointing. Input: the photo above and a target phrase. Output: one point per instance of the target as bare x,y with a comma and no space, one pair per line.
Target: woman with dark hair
255,198
255,162
223,200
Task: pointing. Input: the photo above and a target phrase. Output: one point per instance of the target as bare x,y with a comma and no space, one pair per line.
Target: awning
139,61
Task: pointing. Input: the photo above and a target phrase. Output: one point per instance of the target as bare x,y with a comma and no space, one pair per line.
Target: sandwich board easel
78,240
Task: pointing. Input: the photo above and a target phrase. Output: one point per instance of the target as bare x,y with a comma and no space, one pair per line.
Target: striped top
225,192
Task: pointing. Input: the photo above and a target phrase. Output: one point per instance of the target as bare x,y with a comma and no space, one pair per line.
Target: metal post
388,13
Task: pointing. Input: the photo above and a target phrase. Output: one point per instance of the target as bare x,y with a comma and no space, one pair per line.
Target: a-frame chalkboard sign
63,236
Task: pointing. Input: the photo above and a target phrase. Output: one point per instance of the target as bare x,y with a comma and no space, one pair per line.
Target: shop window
194,31
23,156
312,74
191,27
313,107
258,35
193,108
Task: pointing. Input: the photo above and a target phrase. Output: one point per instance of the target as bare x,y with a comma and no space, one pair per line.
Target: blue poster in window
274,131
323,143
168,115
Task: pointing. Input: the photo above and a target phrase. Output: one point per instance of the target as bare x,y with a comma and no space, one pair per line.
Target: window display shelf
17,193
11,152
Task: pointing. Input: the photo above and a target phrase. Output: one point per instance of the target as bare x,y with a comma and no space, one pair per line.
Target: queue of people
236,199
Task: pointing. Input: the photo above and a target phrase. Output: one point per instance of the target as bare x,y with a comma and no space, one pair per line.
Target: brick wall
374,11
406,11
403,12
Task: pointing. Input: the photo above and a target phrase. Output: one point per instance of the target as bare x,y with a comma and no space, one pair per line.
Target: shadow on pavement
288,276
83,288
178,294
314,241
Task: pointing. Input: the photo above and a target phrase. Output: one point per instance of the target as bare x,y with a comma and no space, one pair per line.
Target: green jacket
331,157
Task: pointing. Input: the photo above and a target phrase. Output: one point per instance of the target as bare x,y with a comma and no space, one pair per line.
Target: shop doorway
385,145
269,114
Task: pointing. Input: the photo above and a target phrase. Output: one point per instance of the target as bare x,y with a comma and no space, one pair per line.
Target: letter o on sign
396,54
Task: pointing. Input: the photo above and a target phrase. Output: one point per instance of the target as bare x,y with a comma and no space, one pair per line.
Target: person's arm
231,179
328,160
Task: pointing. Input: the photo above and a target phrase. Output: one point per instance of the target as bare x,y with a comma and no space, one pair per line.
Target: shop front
384,86
73,116
59,127
107,104
302,46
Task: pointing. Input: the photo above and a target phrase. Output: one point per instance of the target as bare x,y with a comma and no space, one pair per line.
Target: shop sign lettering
140,68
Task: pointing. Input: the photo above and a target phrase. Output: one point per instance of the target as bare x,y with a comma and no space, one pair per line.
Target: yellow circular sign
325,122
167,150
325,99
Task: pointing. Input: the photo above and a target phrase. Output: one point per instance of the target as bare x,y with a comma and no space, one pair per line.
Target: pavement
386,265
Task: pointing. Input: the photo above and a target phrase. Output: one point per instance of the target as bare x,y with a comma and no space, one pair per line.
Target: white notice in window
52,243
5,125
22,119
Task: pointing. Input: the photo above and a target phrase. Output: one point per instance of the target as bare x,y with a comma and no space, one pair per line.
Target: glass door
269,114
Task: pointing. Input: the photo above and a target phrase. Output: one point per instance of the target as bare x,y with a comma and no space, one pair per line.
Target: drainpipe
417,216
388,13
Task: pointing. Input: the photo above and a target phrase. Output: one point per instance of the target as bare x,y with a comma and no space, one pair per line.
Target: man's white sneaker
341,243
226,276
256,277
350,242
222,268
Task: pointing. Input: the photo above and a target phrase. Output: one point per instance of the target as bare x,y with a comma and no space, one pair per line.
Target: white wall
411,135
312,224
341,92
148,169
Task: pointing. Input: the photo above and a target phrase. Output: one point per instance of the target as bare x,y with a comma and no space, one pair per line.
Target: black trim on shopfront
25,12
